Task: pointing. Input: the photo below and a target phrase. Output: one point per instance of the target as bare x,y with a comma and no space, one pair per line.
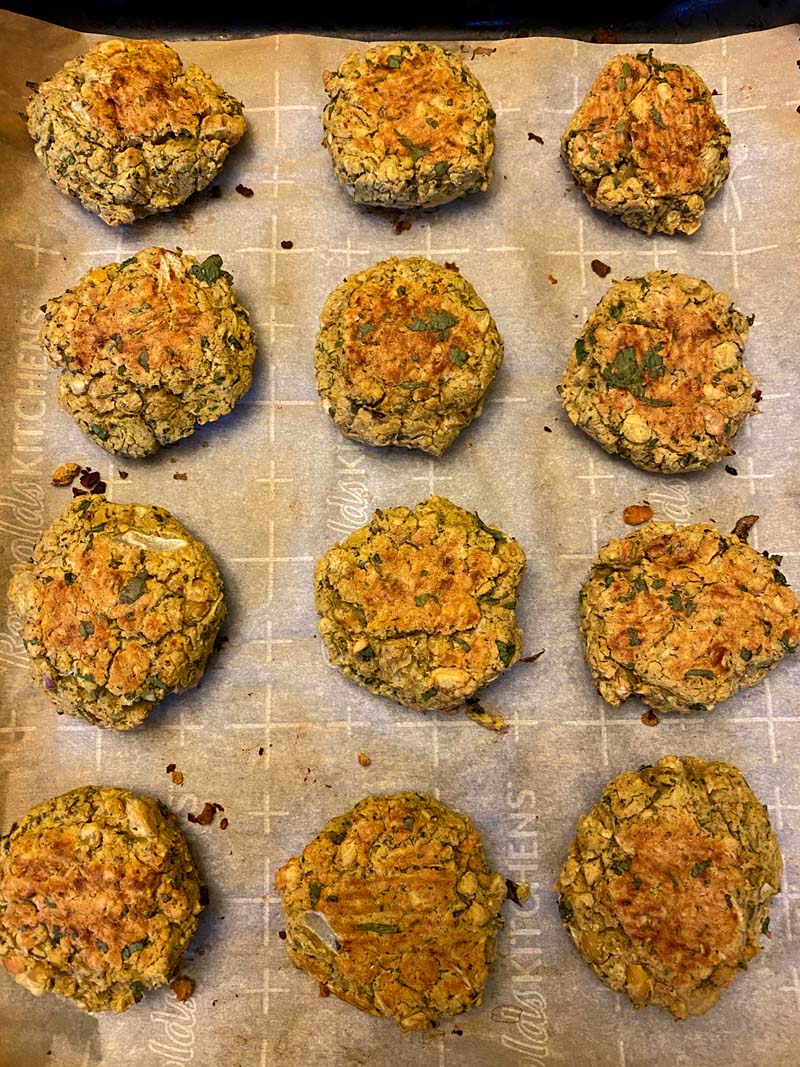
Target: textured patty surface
393,908
684,616
667,885
99,897
128,131
405,354
149,349
408,125
420,605
657,375
648,145
119,607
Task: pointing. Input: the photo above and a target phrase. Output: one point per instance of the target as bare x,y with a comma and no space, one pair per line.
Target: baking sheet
273,733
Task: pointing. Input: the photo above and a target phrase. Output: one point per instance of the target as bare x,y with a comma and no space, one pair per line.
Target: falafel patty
409,125
684,616
657,375
149,349
393,908
99,896
128,131
119,607
419,606
405,354
667,885
648,145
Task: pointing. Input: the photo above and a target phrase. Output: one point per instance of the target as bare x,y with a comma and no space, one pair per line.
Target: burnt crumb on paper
244,190
363,759
533,658
601,269
636,514
482,50
535,137
180,476
182,987
603,36
552,280
743,526
286,245
206,816
730,470
649,718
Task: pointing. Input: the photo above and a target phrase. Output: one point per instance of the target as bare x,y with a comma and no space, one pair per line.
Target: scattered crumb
170,768
456,1031
601,269
223,824
744,526
206,816
552,280
172,459
757,394
603,36
533,658
402,225
204,444
65,474
730,469
261,750
323,990
649,718
177,777
123,475
535,137
282,935
180,476
636,514
182,987
43,307
452,266
715,92
287,244
518,892
547,429
364,759
482,717
243,190
482,51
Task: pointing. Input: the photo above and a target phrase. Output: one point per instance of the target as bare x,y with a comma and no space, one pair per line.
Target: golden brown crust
420,605
393,908
405,354
149,349
99,896
684,616
657,376
648,145
408,125
119,607
667,884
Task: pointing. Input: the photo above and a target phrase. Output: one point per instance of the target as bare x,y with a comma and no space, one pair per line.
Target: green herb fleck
506,652
134,946
746,654
408,822
137,991
364,329
417,150
674,600
765,926
700,867
85,629
438,322
564,910
102,946
621,863
375,560
673,879
580,350
394,61
728,901
421,599
787,644
460,642
626,372
366,654
699,674
429,694
144,359
441,168
496,534
659,583
458,356
379,928
633,637
209,270
99,432
779,578
432,122
135,588
655,114
314,891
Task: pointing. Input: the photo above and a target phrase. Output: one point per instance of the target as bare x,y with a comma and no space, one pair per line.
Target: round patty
657,376
149,349
684,616
667,885
648,145
408,125
128,131
405,355
119,607
393,908
99,897
420,605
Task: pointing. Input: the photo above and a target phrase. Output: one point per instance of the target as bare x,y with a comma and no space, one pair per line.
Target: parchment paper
273,733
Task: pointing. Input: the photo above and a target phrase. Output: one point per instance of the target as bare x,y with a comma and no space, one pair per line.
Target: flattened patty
405,354
684,616
657,375
420,605
119,607
667,885
408,125
393,908
99,897
149,349
128,131
648,145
